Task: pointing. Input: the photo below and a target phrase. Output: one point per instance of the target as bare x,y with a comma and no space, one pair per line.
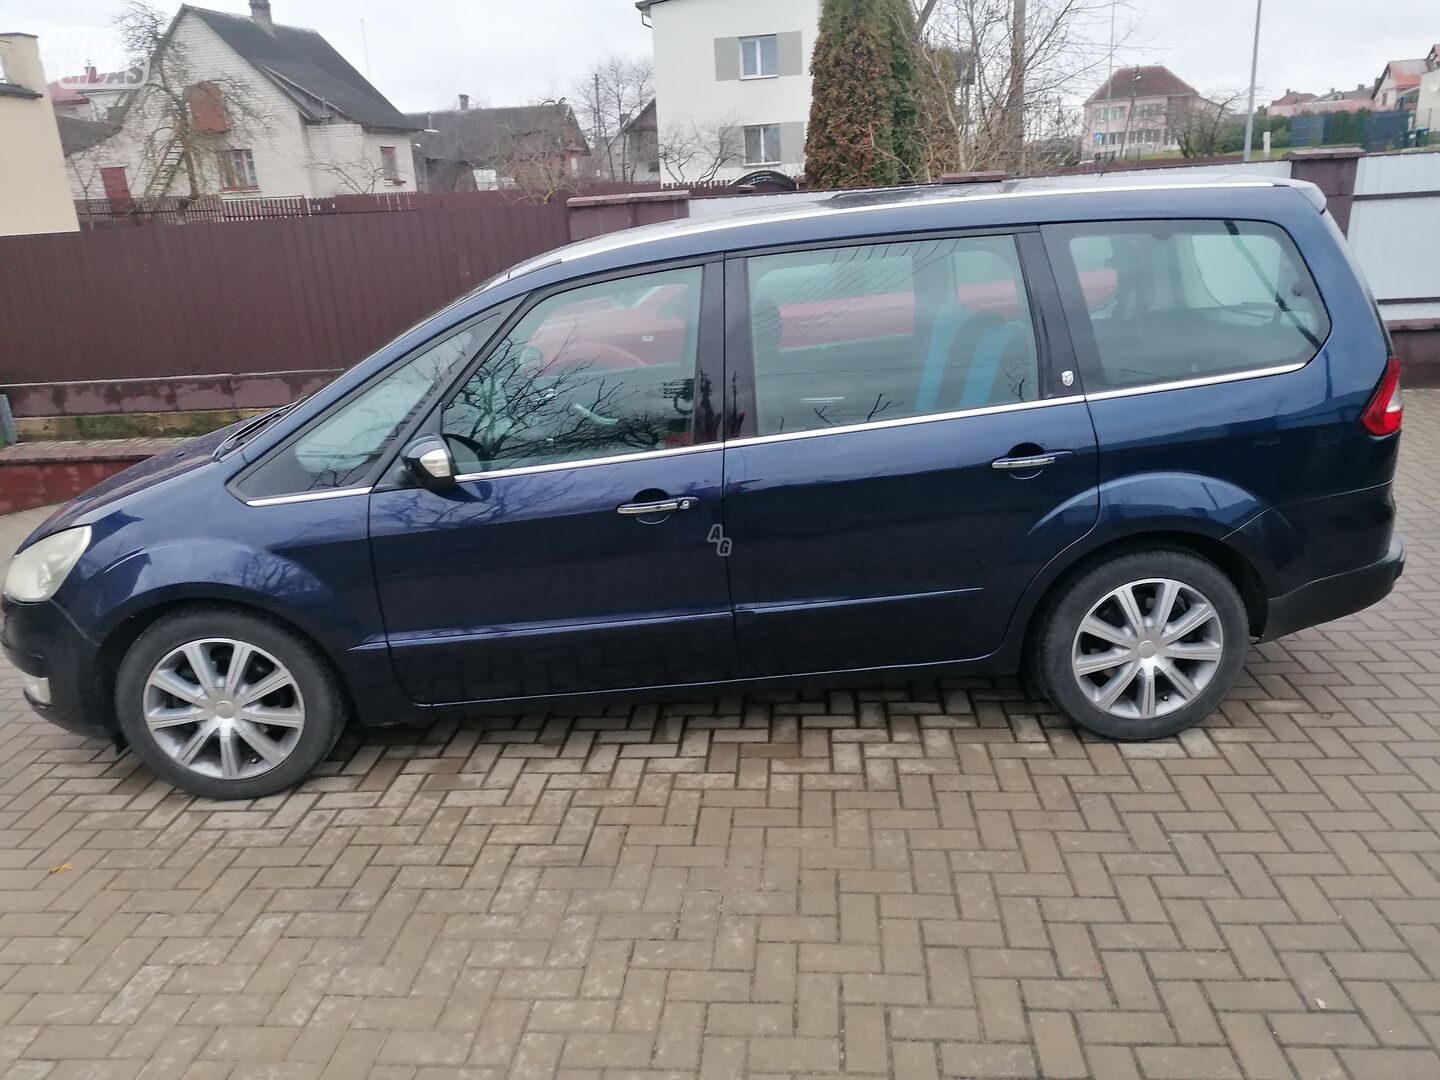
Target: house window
762,144
390,163
759,57
237,170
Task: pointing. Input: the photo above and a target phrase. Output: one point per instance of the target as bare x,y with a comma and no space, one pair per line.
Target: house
1295,103
1141,110
1399,83
732,85
92,94
633,153
532,147
33,194
268,110
1427,101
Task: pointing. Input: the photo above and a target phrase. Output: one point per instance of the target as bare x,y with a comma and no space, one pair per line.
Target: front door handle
650,509
1030,462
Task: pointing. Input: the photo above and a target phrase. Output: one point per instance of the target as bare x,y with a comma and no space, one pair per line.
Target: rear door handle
648,509
1033,461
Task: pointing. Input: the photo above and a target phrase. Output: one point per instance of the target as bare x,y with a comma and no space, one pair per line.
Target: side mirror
430,462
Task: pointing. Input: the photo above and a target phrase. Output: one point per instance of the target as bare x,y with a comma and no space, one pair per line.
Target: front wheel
1142,646
227,705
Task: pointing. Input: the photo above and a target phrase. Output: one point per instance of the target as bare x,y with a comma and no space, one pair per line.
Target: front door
572,555
913,450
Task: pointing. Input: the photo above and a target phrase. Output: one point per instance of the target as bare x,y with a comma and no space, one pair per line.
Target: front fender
221,570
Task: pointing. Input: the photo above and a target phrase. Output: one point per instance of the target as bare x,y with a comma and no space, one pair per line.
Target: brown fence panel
300,294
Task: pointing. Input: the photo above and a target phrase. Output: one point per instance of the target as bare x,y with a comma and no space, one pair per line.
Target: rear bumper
1336,596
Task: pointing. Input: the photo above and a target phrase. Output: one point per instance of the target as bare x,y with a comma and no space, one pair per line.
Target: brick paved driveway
933,880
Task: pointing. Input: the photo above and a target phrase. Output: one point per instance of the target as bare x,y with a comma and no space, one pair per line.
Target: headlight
38,571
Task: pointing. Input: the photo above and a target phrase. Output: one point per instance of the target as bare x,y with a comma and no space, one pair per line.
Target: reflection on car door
572,554
891,495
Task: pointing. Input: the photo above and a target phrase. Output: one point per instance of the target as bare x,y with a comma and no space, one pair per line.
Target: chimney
464,102
260,12
91,75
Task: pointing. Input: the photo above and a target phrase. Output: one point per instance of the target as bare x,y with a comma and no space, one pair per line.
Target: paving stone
923,880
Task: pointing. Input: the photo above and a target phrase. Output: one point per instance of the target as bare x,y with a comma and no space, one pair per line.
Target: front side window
857,335
390,163
760,56
1176,300
600,371
341,450
762,144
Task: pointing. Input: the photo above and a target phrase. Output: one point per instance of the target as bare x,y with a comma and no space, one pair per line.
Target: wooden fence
300,294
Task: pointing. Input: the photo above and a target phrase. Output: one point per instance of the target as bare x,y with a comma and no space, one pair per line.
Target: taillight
1382,416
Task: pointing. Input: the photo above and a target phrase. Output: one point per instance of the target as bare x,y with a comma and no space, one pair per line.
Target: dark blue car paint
1276,471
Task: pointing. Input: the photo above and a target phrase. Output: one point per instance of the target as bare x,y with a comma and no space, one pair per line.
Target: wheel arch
127,630
1234,563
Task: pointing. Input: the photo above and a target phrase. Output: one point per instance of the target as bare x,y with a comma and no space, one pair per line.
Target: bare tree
189,119
1002,76
692,153
358,176
535,163
608,99
1199,124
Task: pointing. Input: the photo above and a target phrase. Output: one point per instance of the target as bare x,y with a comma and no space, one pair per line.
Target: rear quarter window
1167,301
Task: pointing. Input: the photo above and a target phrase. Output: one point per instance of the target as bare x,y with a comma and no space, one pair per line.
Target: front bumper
1336,596
54,657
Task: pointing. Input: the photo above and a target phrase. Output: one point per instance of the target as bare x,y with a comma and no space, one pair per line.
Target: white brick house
732,76
283,113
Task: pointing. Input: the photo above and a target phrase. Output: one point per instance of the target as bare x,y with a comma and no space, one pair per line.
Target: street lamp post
1254,65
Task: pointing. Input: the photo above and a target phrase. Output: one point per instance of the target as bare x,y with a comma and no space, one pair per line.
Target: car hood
144,474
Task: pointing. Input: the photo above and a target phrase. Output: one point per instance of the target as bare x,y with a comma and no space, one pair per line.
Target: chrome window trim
308,496
584,463
1204,380
788,436
906,421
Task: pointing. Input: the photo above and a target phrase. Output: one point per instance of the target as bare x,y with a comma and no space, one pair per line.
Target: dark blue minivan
1112,433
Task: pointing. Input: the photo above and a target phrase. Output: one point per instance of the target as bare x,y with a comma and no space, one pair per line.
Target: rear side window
1166,301
856,335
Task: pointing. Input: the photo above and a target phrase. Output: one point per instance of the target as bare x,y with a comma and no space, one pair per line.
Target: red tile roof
1142,82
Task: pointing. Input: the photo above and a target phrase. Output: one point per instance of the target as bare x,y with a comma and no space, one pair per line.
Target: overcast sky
421,53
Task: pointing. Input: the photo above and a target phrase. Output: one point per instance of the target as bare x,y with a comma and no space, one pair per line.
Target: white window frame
763,159
753,47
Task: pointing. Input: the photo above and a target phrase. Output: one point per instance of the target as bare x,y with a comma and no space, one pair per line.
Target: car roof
786,219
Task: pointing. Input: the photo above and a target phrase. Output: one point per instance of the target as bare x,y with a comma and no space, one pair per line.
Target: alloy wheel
1147,648
223,708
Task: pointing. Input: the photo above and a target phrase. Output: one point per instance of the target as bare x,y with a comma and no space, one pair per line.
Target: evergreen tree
866,126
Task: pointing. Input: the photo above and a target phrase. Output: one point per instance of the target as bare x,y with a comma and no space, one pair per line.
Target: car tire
1090,636
221,733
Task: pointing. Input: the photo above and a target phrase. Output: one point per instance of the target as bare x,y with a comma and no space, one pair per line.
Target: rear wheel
1142,646
228,705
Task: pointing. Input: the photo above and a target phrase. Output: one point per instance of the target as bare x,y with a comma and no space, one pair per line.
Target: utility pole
1254,67
595,119
1015,107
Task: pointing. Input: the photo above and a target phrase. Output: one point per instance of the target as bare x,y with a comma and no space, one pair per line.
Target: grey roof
77,134
481,136
307,68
